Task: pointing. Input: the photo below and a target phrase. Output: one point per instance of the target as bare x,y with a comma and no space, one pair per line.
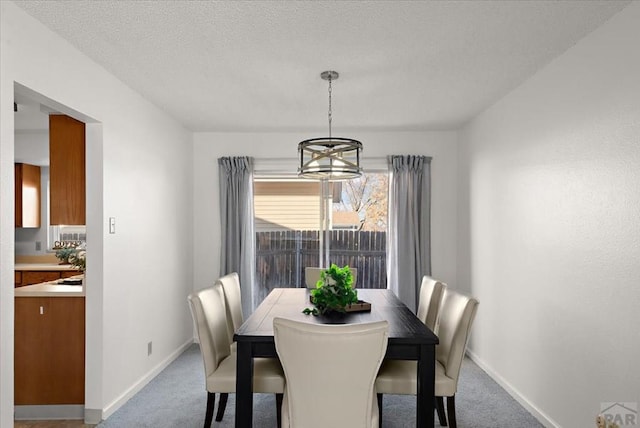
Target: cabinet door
27,195
49,350
66,351
30,361
37,276
66,170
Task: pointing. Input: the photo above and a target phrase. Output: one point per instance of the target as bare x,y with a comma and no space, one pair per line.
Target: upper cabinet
66,171
27,195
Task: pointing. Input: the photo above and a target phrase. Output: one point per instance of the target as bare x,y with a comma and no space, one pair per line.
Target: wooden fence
281,257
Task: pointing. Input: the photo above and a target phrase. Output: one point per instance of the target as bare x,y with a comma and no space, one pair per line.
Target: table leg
244,386
426,386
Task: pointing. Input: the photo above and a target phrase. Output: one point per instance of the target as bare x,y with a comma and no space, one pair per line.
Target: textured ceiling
254,66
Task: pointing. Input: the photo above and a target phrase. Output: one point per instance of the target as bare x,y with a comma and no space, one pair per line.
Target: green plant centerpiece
334,291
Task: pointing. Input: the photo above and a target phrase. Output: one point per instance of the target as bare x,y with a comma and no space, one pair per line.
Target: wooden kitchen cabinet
67,190
27,195
30,277
49,350
38,276
69,273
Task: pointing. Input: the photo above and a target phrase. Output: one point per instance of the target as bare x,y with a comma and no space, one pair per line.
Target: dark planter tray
359,306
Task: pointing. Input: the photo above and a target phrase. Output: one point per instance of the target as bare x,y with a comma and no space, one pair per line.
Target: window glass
300,223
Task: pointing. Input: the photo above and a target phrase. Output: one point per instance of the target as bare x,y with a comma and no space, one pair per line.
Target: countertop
51,289
43,267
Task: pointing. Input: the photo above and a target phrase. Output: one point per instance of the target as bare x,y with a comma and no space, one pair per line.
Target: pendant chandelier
330,158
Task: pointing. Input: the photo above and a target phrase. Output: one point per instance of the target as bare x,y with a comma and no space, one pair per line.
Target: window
295,218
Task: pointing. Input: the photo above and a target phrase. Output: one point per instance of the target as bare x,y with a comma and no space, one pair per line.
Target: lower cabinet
29,277
49,350
69,273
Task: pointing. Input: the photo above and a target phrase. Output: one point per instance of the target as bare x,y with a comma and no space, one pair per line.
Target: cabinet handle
41,310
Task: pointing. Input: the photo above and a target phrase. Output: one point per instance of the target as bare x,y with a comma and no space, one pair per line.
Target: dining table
409,339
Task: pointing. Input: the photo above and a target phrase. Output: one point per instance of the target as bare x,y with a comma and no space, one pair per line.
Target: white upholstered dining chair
457,313
431,292
312,276
233,302
330,373
209,315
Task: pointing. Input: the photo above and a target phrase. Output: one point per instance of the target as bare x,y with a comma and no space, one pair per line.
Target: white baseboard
48,412
92,416
143,381
524,402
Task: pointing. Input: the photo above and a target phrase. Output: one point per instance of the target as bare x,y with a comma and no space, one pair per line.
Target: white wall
32,147
208,147
549,229
138,171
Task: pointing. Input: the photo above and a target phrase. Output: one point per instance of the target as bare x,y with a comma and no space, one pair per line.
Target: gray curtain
409,236
237,252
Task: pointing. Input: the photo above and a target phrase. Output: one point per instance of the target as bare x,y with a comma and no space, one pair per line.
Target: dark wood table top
404,326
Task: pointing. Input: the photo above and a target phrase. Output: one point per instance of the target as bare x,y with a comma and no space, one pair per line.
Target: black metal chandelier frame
330,158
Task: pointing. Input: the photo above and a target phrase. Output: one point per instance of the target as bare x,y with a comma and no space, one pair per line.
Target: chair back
456,316
233,301
312,276
431,292
330,372
209,315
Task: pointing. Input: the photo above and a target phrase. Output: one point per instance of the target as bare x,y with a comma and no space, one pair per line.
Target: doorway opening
36,245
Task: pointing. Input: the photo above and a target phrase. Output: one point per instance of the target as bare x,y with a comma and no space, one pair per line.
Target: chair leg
440,409
451,411
222,405
380,409
279,409
211,401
